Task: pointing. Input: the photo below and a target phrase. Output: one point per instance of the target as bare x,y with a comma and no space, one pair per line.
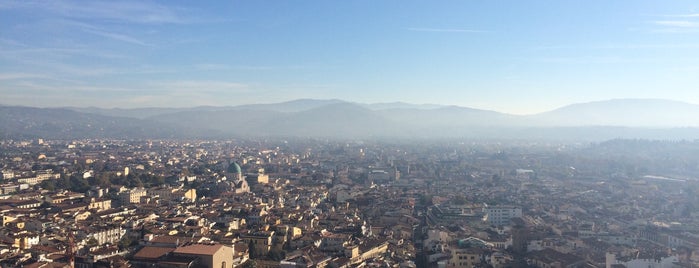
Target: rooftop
199,249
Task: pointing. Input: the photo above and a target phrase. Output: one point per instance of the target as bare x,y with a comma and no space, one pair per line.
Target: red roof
199,249
152,252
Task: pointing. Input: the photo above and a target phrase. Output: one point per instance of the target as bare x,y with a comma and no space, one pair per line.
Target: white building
106,234
643,261
501,215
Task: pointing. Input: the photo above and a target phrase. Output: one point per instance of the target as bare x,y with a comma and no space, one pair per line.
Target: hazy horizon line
438,106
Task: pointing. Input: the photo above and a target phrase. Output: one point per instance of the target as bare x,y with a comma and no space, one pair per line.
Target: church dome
234,168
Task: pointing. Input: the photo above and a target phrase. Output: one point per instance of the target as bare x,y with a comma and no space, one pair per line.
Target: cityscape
307,202
349,134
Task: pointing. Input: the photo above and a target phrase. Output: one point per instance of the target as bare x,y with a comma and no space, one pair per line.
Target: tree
426,200
48,185
78,184
126,242
92,242
459,200
157,181
276,254
250,264
103,179
133,181
64,182
251,249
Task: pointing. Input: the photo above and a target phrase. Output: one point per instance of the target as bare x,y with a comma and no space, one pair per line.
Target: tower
70,250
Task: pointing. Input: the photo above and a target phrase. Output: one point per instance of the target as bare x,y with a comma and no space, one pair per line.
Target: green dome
234,168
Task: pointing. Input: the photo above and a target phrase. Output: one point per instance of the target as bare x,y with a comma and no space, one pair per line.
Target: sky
516,56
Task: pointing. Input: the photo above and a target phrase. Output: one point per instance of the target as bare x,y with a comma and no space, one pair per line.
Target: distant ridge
620,118
60,123
624,112
400,105
290,106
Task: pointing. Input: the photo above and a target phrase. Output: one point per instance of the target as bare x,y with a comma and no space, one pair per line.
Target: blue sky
510,56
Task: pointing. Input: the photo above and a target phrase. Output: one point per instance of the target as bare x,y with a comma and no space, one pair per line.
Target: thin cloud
119,37
219,67
119,11
678,23
19,76
676,30
99,31
58,67
36,88
675,26
23,77
619,46
211,67
199,85
590,60
268,67
14,50
444,30
693,15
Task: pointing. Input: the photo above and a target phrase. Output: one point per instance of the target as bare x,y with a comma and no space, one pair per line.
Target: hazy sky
511,56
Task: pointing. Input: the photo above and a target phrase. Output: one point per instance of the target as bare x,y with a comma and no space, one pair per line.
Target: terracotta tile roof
199,249
167,239
152,252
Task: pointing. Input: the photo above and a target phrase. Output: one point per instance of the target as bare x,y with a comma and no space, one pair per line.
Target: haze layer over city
349,134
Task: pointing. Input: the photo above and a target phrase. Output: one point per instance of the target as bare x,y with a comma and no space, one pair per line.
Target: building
233,172
501,215
100,204
642,260
261,242
257,178
237,181
132,196
106,234
550,258
8,174
466,258
170,193
210,255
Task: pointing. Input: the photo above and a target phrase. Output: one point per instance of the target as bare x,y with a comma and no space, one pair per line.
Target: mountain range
621,118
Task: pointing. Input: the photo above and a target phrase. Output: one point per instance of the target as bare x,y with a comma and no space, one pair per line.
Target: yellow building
211,255
25,240
132,196
190,194
169,193
100,204
465,258
261,241
7,219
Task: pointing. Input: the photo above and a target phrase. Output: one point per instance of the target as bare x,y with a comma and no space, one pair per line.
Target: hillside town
328,203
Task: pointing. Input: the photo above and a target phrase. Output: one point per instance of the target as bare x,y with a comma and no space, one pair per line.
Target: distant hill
340,119
142,113
290,106
629,118
231,121
28,122
623,112
400,105
333,120
449,116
